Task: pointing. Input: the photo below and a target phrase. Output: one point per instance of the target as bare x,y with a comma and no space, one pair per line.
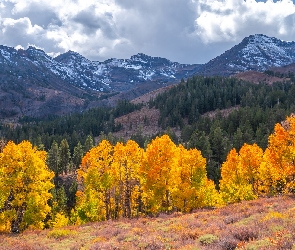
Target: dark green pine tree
65,156
38,143
238,140
219,144
59,200
72,195
53,160
201,141
89,144
77,156
62,199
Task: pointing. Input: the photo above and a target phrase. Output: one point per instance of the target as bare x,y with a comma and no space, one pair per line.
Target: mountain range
34,84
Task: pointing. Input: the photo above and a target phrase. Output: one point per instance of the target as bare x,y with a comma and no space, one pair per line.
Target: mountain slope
124,74
256,52
28,87
71,67
35,84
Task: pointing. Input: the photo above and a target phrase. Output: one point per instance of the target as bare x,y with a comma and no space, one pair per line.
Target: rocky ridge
256,52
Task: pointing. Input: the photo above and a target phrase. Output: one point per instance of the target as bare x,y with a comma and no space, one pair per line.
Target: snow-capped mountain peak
110,75
257,52
63,84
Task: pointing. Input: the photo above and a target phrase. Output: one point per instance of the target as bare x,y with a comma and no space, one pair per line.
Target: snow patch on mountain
256,52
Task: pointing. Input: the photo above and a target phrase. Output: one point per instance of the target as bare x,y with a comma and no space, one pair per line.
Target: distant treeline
74,127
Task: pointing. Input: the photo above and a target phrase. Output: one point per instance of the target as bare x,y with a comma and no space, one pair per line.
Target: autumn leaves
25,182
166,177
252,172
124,180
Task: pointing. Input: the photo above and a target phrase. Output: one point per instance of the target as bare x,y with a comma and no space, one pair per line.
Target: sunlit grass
266,223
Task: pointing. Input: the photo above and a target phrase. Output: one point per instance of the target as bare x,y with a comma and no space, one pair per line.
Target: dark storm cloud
91,22
39,15
23,33
160,27
16,32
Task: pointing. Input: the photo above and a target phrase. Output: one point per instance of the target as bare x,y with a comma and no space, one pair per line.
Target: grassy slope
266,223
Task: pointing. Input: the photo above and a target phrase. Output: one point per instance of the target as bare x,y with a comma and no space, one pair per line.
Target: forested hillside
257,108
87,174
251,113
74,128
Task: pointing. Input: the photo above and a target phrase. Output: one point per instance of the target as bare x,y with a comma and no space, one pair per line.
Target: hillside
143,122
258,77
285,69
256,52
34,84
213,114
266,223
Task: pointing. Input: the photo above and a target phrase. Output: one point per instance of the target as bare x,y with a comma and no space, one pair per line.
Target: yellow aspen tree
234,186
96,179
250,159
158,171
127,161
209,196
290,168
184,193
193,190
25,181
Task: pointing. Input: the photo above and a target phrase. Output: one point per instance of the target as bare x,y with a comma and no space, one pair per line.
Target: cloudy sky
187,31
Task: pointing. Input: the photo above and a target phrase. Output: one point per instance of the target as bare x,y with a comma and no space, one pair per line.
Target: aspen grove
125,180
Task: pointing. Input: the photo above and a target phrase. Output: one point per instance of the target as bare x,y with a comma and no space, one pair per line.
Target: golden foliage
239,174
252,172
25,182
124,181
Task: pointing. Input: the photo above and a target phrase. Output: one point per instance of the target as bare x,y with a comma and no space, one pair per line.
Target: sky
185,31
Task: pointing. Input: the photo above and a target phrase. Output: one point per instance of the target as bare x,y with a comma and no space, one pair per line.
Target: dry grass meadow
266,223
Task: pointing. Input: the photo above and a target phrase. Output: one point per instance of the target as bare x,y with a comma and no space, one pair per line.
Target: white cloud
188,31
14,30
233,19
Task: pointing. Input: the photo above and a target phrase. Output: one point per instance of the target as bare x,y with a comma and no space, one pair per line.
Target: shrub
207,239
245,233
228,243
60,220
60,233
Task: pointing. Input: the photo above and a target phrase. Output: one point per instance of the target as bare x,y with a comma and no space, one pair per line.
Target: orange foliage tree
175,178
251,157
160,174
277,173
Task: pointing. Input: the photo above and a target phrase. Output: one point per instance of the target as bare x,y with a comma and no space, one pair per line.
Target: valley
198,156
